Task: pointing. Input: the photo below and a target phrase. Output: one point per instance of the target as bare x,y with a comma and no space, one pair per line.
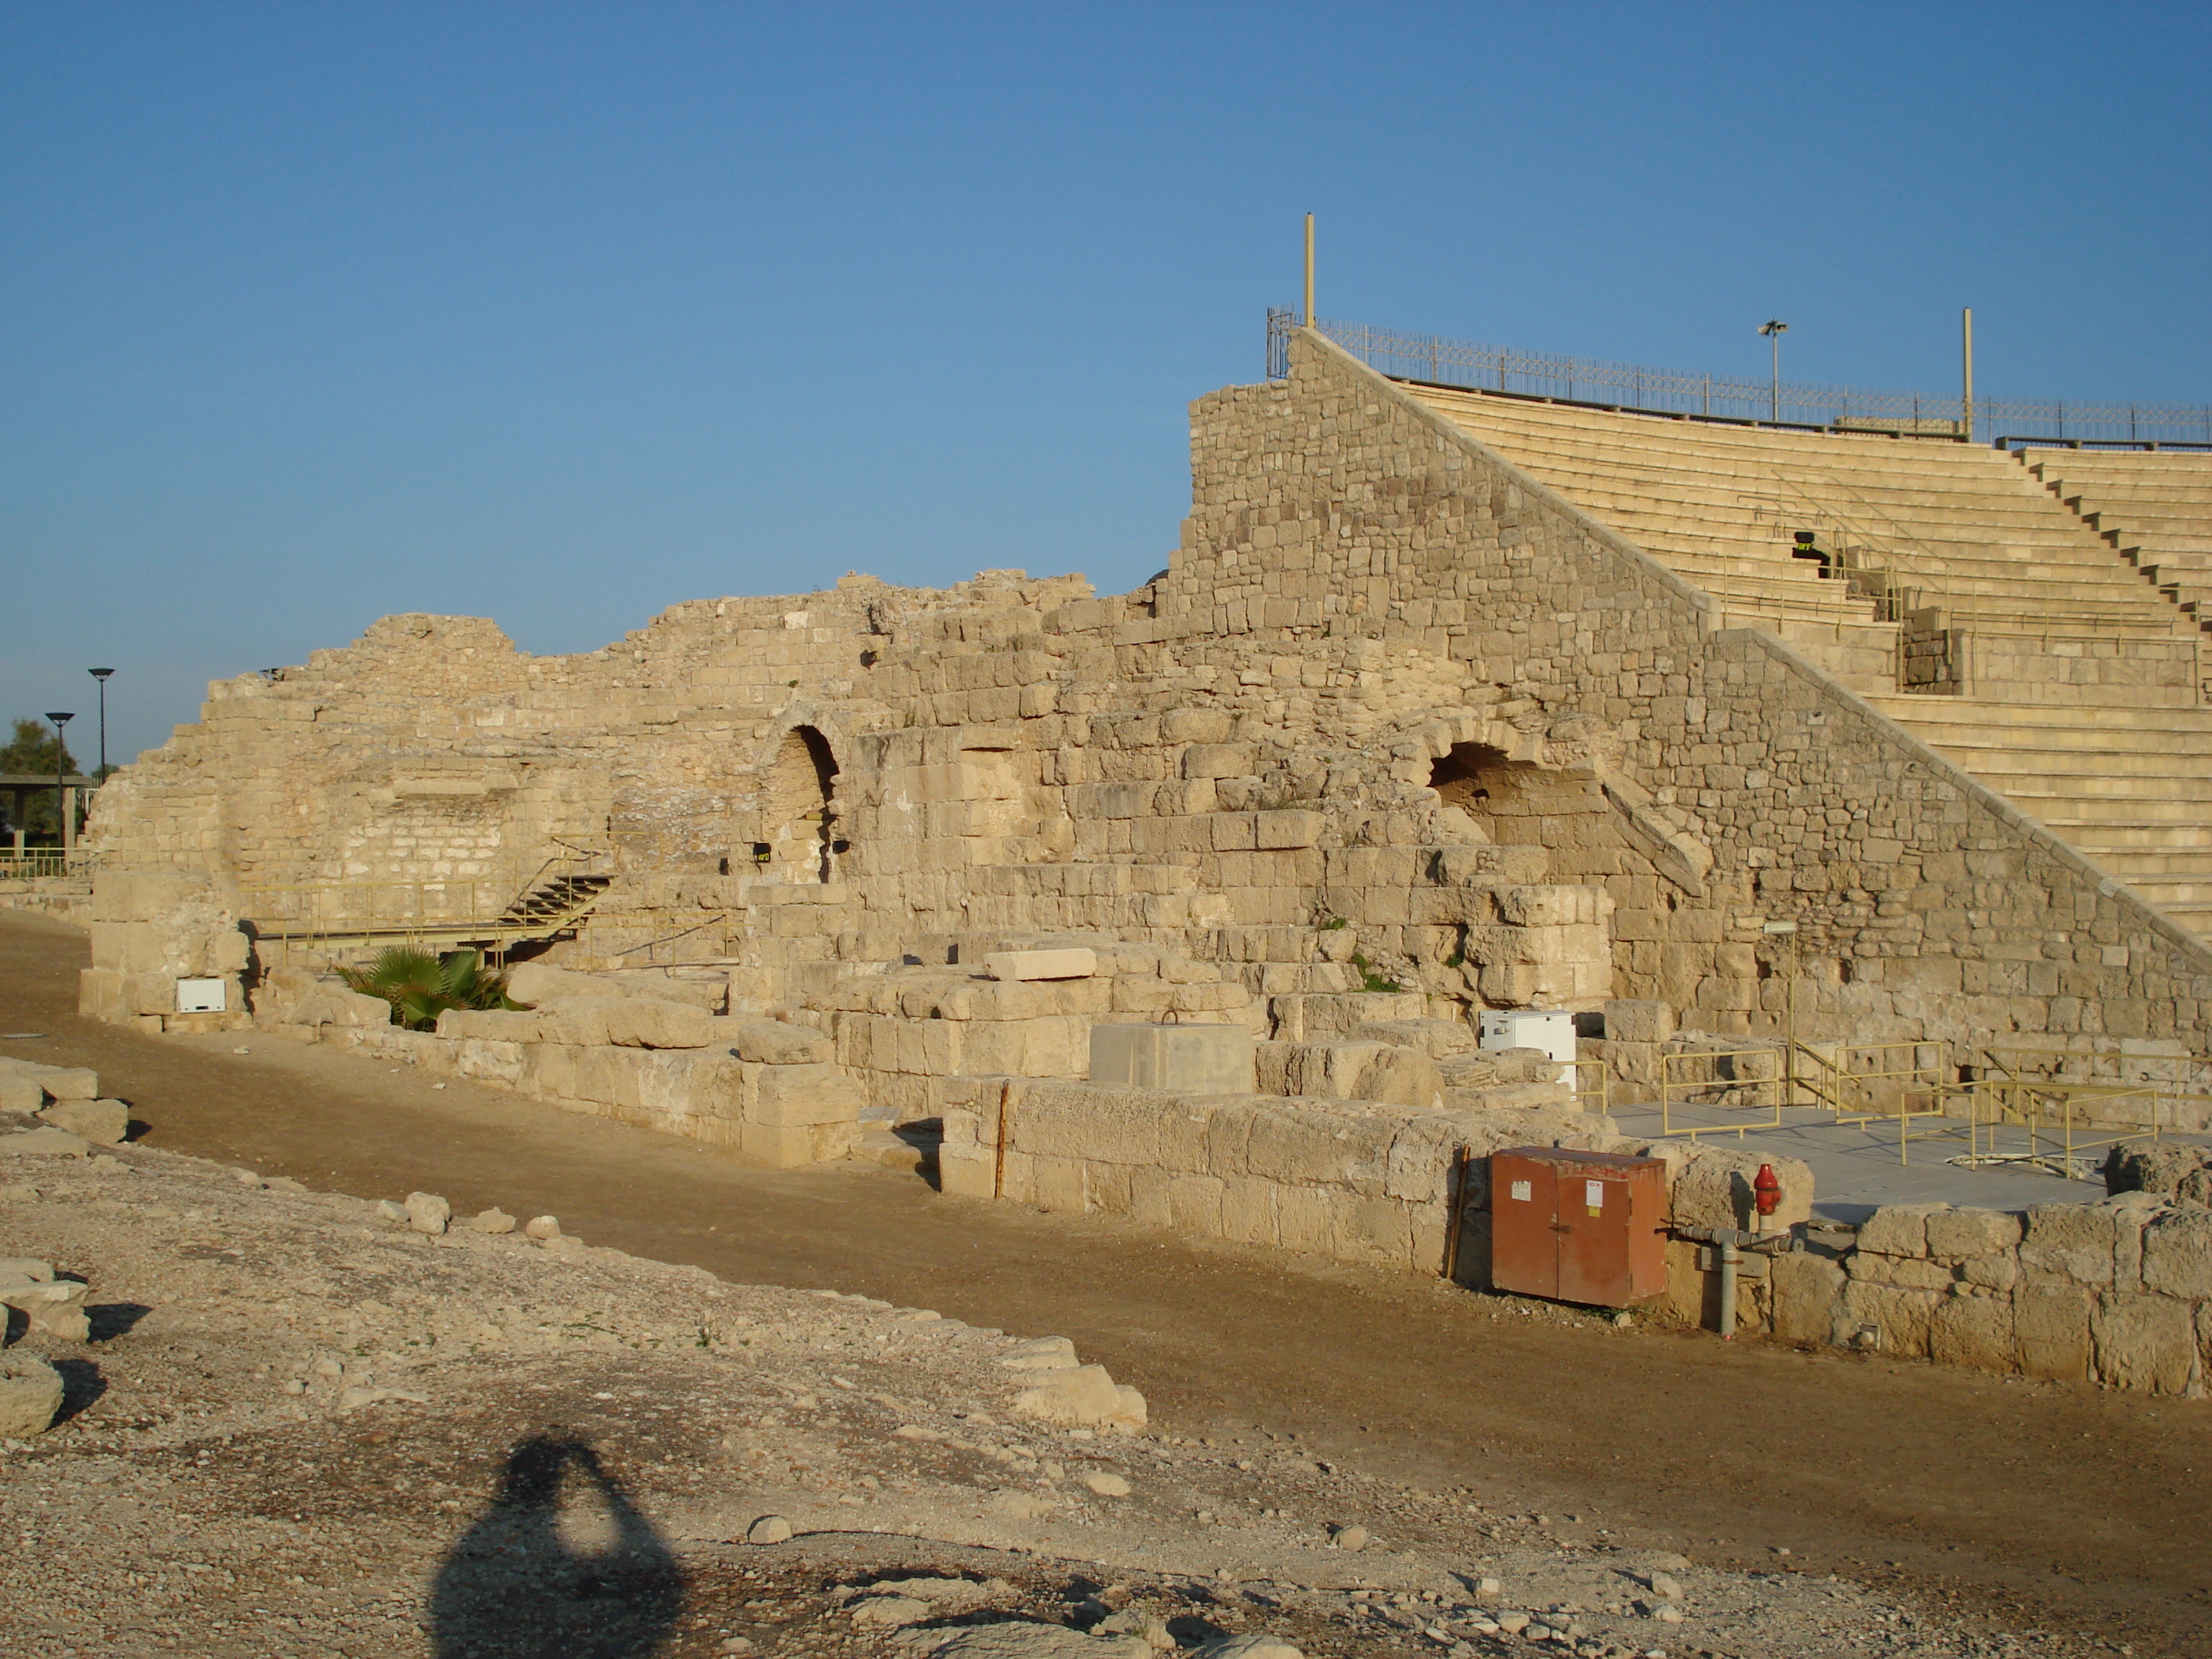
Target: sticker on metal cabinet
1524,1191
1594,1194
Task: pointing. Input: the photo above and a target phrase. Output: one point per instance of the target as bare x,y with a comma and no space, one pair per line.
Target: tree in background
36,750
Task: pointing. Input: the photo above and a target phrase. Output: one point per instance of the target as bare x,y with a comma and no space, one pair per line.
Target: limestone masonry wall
1400,737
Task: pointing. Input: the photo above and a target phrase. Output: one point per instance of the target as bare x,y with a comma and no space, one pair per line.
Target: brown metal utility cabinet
1587,1227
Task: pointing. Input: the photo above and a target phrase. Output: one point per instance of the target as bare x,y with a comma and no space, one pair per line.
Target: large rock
427,1212
533,984
1388,1074
2168,1168
1084,1397
2177,1253
54,1307
43,1142
774,1042
652,1023
625,1023
340,1006
102,1122
30,1394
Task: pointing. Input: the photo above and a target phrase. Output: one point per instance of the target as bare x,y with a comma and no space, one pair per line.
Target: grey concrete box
1189,1059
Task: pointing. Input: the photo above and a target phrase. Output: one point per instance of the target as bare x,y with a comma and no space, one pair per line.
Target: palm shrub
420,987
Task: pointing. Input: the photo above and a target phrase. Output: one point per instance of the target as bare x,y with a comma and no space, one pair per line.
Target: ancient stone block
1628,1020
1807,1288
2051,1324
1903,1317
1974,1331
788,1095
1191,1059
2147,1343
1040,964
2069,1243
1959,1234
2177,1253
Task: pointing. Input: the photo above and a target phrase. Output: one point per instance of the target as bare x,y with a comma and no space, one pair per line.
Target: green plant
420,987
1374,981
1334,925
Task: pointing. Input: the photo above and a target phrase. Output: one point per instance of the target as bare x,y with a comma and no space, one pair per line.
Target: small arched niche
798,810
1519,804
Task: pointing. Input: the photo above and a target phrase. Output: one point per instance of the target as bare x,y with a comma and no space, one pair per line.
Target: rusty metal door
1524,1250
1591,1223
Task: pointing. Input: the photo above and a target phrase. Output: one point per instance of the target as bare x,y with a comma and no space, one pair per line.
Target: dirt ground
2018,1505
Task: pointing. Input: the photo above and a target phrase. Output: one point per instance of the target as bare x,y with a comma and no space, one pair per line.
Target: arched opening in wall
1517,803
800,812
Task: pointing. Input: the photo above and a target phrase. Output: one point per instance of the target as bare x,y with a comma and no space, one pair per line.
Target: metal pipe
1729,1244
1729,1258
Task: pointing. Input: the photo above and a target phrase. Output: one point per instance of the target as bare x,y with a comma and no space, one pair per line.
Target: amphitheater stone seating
2082,681
2154,506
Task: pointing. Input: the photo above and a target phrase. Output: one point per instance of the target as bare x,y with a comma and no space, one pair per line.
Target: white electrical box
201,996
1551,1030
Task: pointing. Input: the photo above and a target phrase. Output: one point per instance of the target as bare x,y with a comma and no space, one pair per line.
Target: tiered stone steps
2154,507
2130,787
1953,526
2081,653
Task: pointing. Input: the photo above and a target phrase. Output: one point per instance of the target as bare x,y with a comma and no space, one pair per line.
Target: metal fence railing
30,863
1441,361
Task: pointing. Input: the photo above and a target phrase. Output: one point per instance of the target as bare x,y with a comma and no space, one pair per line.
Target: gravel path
303,1428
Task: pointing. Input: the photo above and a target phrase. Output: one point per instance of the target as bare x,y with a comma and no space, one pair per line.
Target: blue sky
562,313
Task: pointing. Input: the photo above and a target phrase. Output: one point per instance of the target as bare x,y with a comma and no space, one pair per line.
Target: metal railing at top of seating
1735,399
31,863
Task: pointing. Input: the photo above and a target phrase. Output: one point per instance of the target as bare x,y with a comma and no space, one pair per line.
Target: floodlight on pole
61,776
1774,330
102,674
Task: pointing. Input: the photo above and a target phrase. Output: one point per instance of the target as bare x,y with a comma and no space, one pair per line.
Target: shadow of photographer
562,1566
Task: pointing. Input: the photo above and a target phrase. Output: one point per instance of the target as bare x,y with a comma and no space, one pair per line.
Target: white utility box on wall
201,996
1551,1030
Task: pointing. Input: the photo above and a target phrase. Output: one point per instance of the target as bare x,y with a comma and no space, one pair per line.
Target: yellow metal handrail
1671,1088
33,863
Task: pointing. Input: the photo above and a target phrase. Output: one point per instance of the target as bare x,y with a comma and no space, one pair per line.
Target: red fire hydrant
1766,1191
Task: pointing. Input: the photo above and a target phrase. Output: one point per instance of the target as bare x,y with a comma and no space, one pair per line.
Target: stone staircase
2085,705
2155,508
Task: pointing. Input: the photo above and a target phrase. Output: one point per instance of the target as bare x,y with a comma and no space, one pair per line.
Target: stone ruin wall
1747,786
1378,641
1396,717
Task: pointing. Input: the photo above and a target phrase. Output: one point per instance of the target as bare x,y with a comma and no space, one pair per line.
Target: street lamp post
61,776
1774,331
102,674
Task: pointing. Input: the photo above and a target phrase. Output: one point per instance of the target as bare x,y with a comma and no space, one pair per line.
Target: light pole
1774,331
102,674
61,776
